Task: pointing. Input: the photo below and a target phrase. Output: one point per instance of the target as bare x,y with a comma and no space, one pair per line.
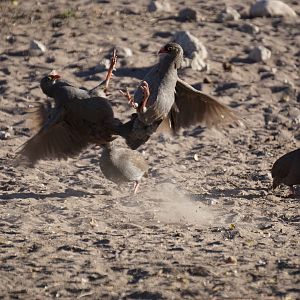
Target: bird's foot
112,67
129,99
146,93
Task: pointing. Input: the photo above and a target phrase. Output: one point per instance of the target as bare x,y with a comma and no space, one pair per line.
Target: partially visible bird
286,170
121,165
77,119
163,97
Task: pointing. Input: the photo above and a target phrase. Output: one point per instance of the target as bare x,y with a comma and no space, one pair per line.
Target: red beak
55,77
162,50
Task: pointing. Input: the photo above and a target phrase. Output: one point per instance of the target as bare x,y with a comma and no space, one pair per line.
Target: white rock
159,6
194,51
190,44
37,46
229,14
197,63
260,54
103,65
271,8
294,115
123,52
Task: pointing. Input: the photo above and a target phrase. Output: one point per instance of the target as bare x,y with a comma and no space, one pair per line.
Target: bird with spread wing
78,118
162,97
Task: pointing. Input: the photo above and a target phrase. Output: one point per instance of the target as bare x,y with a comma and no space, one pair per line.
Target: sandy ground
205,224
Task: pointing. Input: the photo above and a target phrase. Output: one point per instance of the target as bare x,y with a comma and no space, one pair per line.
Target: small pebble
159,6
36,48
231,260
4,135
249,28
229,14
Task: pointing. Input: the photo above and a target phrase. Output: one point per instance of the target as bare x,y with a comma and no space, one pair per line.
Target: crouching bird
78,118
121,165
286,170
163,97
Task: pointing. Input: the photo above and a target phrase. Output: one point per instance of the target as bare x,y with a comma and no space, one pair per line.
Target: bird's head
48,82
173,50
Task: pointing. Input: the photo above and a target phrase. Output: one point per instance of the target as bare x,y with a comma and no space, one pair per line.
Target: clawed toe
129,99
146,93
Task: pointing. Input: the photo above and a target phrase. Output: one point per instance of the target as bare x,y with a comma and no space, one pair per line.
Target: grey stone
187,15
260,54
249,28
11,39
229,14
159,6
271,8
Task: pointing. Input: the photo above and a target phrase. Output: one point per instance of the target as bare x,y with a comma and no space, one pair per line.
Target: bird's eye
50,77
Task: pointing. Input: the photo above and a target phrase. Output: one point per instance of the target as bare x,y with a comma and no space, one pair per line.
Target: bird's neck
170,62
54,91
62,91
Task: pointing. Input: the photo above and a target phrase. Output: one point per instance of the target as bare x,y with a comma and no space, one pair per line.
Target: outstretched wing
193,107
55,140
36,117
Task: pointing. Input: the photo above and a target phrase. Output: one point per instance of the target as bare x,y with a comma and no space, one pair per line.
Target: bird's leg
135,187
129,99
142,106
111,68
146,92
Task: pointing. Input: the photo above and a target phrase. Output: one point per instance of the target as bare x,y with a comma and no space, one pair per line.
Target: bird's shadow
41,196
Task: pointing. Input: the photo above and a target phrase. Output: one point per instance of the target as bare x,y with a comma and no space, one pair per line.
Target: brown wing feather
58,142
194,107
56,139
38,116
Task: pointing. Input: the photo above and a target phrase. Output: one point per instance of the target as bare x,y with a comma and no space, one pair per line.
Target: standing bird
77,119
286,170
162,96
121,165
